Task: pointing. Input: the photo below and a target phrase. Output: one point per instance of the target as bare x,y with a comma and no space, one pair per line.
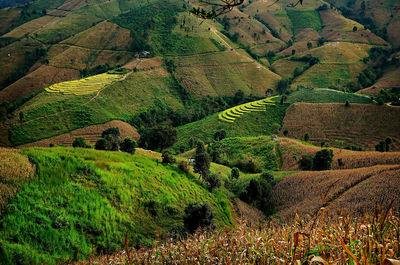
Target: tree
285,133
201,161
259,193
196,216
275,127
309,45
128,145
80,142
220,135
306,137
212,181
111,131
111,136
323,160
159,137
293,52
235,173
101,144
268,176
355,28
347,104
306,162
21,116
167,158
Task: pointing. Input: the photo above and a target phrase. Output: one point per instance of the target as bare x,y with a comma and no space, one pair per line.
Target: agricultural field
356,124
323,95
91,134
306,192
85,86
292,150
254,123
230,115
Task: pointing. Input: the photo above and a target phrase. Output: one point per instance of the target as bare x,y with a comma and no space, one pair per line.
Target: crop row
84,86
230,115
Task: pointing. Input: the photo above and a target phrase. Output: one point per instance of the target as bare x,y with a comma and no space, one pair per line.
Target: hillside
93,199
306,192
354,125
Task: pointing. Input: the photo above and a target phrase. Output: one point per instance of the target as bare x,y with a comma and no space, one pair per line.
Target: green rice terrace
230,115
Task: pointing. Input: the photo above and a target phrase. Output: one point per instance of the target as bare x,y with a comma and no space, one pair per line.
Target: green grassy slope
51,114
83,202
325,96
249,124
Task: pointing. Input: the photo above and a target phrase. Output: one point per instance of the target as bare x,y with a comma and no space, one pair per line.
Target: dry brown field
90,133
306,192
359,124
292,150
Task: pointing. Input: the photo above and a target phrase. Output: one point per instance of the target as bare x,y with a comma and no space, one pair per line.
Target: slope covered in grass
84,201
249,124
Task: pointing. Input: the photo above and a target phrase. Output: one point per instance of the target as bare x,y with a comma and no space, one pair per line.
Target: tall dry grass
344,239
356,189
292,150
15,169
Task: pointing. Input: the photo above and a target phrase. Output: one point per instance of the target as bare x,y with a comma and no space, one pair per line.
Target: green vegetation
302,19
83,202
249,124
325,96
249,154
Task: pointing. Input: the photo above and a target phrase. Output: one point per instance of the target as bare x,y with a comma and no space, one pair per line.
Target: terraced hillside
358,124
230,115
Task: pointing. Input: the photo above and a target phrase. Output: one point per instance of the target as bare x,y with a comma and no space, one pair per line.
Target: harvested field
15,169
150,63
7,18
104,35
306,192
354,125
292,151
43,76
74,4
90,133
32,27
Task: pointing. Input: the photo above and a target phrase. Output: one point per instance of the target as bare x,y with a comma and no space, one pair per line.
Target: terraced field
230,115
84,86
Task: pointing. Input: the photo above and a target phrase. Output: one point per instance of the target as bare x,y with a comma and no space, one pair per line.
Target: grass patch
302,19
84,201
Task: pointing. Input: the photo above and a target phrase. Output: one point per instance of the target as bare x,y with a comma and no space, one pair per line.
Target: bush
268,176
202,160
101,144
306,162
80,142
306,137
323,160
220,135
259,193
235,173
212,181
159,137
111,131
184,166
248,164
197,216
167,158
128,145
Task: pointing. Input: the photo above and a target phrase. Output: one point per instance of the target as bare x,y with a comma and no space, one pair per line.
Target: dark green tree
201,160
128,145
159,137
306,137
323,160
168,158
235,173
197,216
80,142
220,135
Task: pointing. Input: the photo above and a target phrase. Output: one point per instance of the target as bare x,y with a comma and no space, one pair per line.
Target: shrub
259,193
128,145
306,137
101,144
306,162
323,160
167,158
197,216
184,166
285,133
268,176
220,135
212,181
248,164
111,131
235,173
202,160
80,142
159,137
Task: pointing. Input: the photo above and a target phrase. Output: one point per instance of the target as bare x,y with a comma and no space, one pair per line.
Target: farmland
84,86
356,124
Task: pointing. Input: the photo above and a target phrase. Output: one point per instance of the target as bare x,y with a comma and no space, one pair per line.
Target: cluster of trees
384,146
322,160
109,141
